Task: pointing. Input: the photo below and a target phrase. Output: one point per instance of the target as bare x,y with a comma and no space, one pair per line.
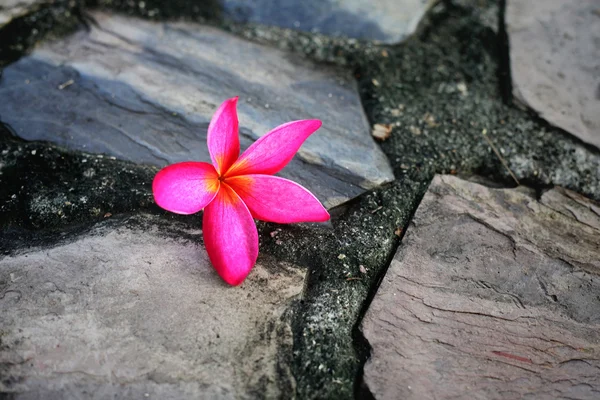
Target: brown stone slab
491,295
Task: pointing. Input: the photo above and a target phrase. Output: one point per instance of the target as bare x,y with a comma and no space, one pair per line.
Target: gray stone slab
145,92
10,9
131,310
491,295
385,20
555,62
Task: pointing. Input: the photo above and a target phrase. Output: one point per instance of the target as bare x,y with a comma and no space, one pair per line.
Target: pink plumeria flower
235,189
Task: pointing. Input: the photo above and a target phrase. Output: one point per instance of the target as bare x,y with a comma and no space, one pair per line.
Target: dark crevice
547,126
484,180
504,76
434,18
6,131
49,20
361,344
202,11
47,190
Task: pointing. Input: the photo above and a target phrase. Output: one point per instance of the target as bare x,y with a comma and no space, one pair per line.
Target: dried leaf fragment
382,131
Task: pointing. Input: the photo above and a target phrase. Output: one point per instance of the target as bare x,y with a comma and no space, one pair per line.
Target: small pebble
381,131
414,130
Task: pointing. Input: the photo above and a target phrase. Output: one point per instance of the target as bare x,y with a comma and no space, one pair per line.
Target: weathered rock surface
133,310
10,9
385,20
145,92
491,295
555,62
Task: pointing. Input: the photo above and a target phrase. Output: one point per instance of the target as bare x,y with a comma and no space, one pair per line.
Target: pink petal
222,138
274,199
185,188
273,151
230,236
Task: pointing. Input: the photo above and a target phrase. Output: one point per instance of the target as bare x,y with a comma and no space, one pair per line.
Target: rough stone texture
555,61
448,72
145,92
10,9
385,20
133,310
492,295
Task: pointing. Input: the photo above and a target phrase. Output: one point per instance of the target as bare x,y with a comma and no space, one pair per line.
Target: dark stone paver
133,309
145,92
555,62
386,20
492,294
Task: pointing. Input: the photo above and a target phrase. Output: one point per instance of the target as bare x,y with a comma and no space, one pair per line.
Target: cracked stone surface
145,92
134,309
10,9
492,294
386,20
555,62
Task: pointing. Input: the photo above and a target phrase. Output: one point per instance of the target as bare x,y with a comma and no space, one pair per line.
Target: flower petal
185,188
230,236
223,141
275,199
273,151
